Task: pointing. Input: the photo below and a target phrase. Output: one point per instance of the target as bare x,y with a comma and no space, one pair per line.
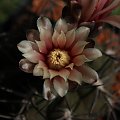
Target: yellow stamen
58,59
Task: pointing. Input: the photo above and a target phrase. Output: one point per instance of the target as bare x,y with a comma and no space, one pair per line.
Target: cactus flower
58,55
94,11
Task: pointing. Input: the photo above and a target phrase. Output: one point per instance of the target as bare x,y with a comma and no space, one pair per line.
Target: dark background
15,86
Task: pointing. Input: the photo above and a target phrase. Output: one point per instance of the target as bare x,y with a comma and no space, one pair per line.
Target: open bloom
95,11
58,56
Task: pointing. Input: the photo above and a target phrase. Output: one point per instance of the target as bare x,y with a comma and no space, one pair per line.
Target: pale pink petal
78,47
42,46
60,86
71,65
46,73
44,22
70,37
75,76
26,66
82,33
33,56
92,53
64,73
54,38
61,25
38,71
88,74
61,40
53,73
48,95
80,60
25,46
42,64
46,36
113,20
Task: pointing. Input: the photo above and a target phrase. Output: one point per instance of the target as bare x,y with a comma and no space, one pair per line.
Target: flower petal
46,73
33,35
80,60
71,65
88,8
78,47
89,75
92,53
53,73
100,5
46,36
25,46
60,86
44,23
45,28
70,37
47,90
54,38
26,66
75,76
38,71
44,68
42,46
33,56
108,9
61,25
64,73
82,33
61,40
42,64
113,20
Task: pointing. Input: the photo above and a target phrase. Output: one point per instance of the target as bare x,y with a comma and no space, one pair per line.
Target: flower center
58,59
